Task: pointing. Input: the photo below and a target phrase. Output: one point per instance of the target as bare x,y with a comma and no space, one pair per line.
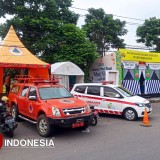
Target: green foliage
103,30
149,33
48,29
73,46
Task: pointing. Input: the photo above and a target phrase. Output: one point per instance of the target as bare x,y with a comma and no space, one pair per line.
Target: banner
136,74
132,55
118,66
148,74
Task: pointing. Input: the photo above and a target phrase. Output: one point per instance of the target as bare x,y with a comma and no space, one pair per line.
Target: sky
137,9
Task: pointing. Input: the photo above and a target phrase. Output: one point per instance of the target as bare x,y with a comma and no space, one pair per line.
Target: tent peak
11,28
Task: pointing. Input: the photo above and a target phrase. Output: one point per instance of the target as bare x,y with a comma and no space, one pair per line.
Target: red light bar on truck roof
39,79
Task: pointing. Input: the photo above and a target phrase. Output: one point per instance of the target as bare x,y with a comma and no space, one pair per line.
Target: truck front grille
70,111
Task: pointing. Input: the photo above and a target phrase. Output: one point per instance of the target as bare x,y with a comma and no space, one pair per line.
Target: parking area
113,138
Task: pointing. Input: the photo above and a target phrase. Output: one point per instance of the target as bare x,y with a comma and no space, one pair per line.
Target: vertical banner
122,73
148,74
118,66
136,74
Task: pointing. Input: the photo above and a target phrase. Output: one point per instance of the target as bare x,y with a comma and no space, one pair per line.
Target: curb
154,100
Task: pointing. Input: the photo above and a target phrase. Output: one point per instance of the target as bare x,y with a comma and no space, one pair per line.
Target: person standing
7,83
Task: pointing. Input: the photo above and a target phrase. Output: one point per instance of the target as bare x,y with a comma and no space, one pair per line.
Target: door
72,81
110,103
93,97
32,104
22,100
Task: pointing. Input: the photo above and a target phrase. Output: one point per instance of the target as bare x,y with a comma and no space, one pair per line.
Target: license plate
78,124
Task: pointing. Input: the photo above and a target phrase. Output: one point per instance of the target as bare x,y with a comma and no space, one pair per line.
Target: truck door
32,103
22,100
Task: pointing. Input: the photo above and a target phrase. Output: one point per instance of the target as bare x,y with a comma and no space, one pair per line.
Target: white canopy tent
68,72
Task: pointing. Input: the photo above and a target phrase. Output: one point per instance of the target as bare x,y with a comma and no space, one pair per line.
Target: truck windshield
124,92
54,93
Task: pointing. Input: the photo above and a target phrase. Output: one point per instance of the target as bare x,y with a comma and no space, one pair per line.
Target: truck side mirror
34,98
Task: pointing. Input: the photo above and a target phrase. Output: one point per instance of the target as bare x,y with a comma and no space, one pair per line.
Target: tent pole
1,79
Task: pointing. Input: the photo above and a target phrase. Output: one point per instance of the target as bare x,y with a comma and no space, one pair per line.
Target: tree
48,28
34,20
73,46
103,30
149,33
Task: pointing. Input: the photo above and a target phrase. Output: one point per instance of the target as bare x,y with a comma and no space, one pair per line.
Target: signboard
98,74
142,67
132,55
129,65
154,66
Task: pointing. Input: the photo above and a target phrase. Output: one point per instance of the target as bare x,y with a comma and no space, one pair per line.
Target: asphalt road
112,139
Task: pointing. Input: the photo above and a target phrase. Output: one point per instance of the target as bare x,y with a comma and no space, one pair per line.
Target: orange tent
13,54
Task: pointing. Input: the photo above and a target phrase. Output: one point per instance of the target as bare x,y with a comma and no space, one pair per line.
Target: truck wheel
130,114
43,126
14,112
94,121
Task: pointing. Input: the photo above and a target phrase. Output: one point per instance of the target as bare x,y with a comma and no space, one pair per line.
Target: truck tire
43,126
94,121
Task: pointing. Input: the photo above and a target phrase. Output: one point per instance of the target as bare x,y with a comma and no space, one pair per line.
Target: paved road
112,139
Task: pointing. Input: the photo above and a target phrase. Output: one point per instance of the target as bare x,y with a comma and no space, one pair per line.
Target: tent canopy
66,68
13,54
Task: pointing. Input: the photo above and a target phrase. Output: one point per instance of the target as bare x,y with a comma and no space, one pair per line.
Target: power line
129,23
112,14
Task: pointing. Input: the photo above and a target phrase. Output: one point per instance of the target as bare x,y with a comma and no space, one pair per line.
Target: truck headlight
55,111
140,104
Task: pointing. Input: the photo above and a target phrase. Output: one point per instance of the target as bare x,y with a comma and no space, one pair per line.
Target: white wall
101,65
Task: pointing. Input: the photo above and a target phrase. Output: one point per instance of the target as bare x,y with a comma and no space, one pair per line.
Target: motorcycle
7,122
95,117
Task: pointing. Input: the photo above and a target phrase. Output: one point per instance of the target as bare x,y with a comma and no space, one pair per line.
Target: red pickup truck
47,104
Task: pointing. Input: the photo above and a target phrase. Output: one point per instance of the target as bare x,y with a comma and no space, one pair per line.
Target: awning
13,54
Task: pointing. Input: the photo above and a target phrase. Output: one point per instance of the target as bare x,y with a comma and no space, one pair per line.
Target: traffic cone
146,119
